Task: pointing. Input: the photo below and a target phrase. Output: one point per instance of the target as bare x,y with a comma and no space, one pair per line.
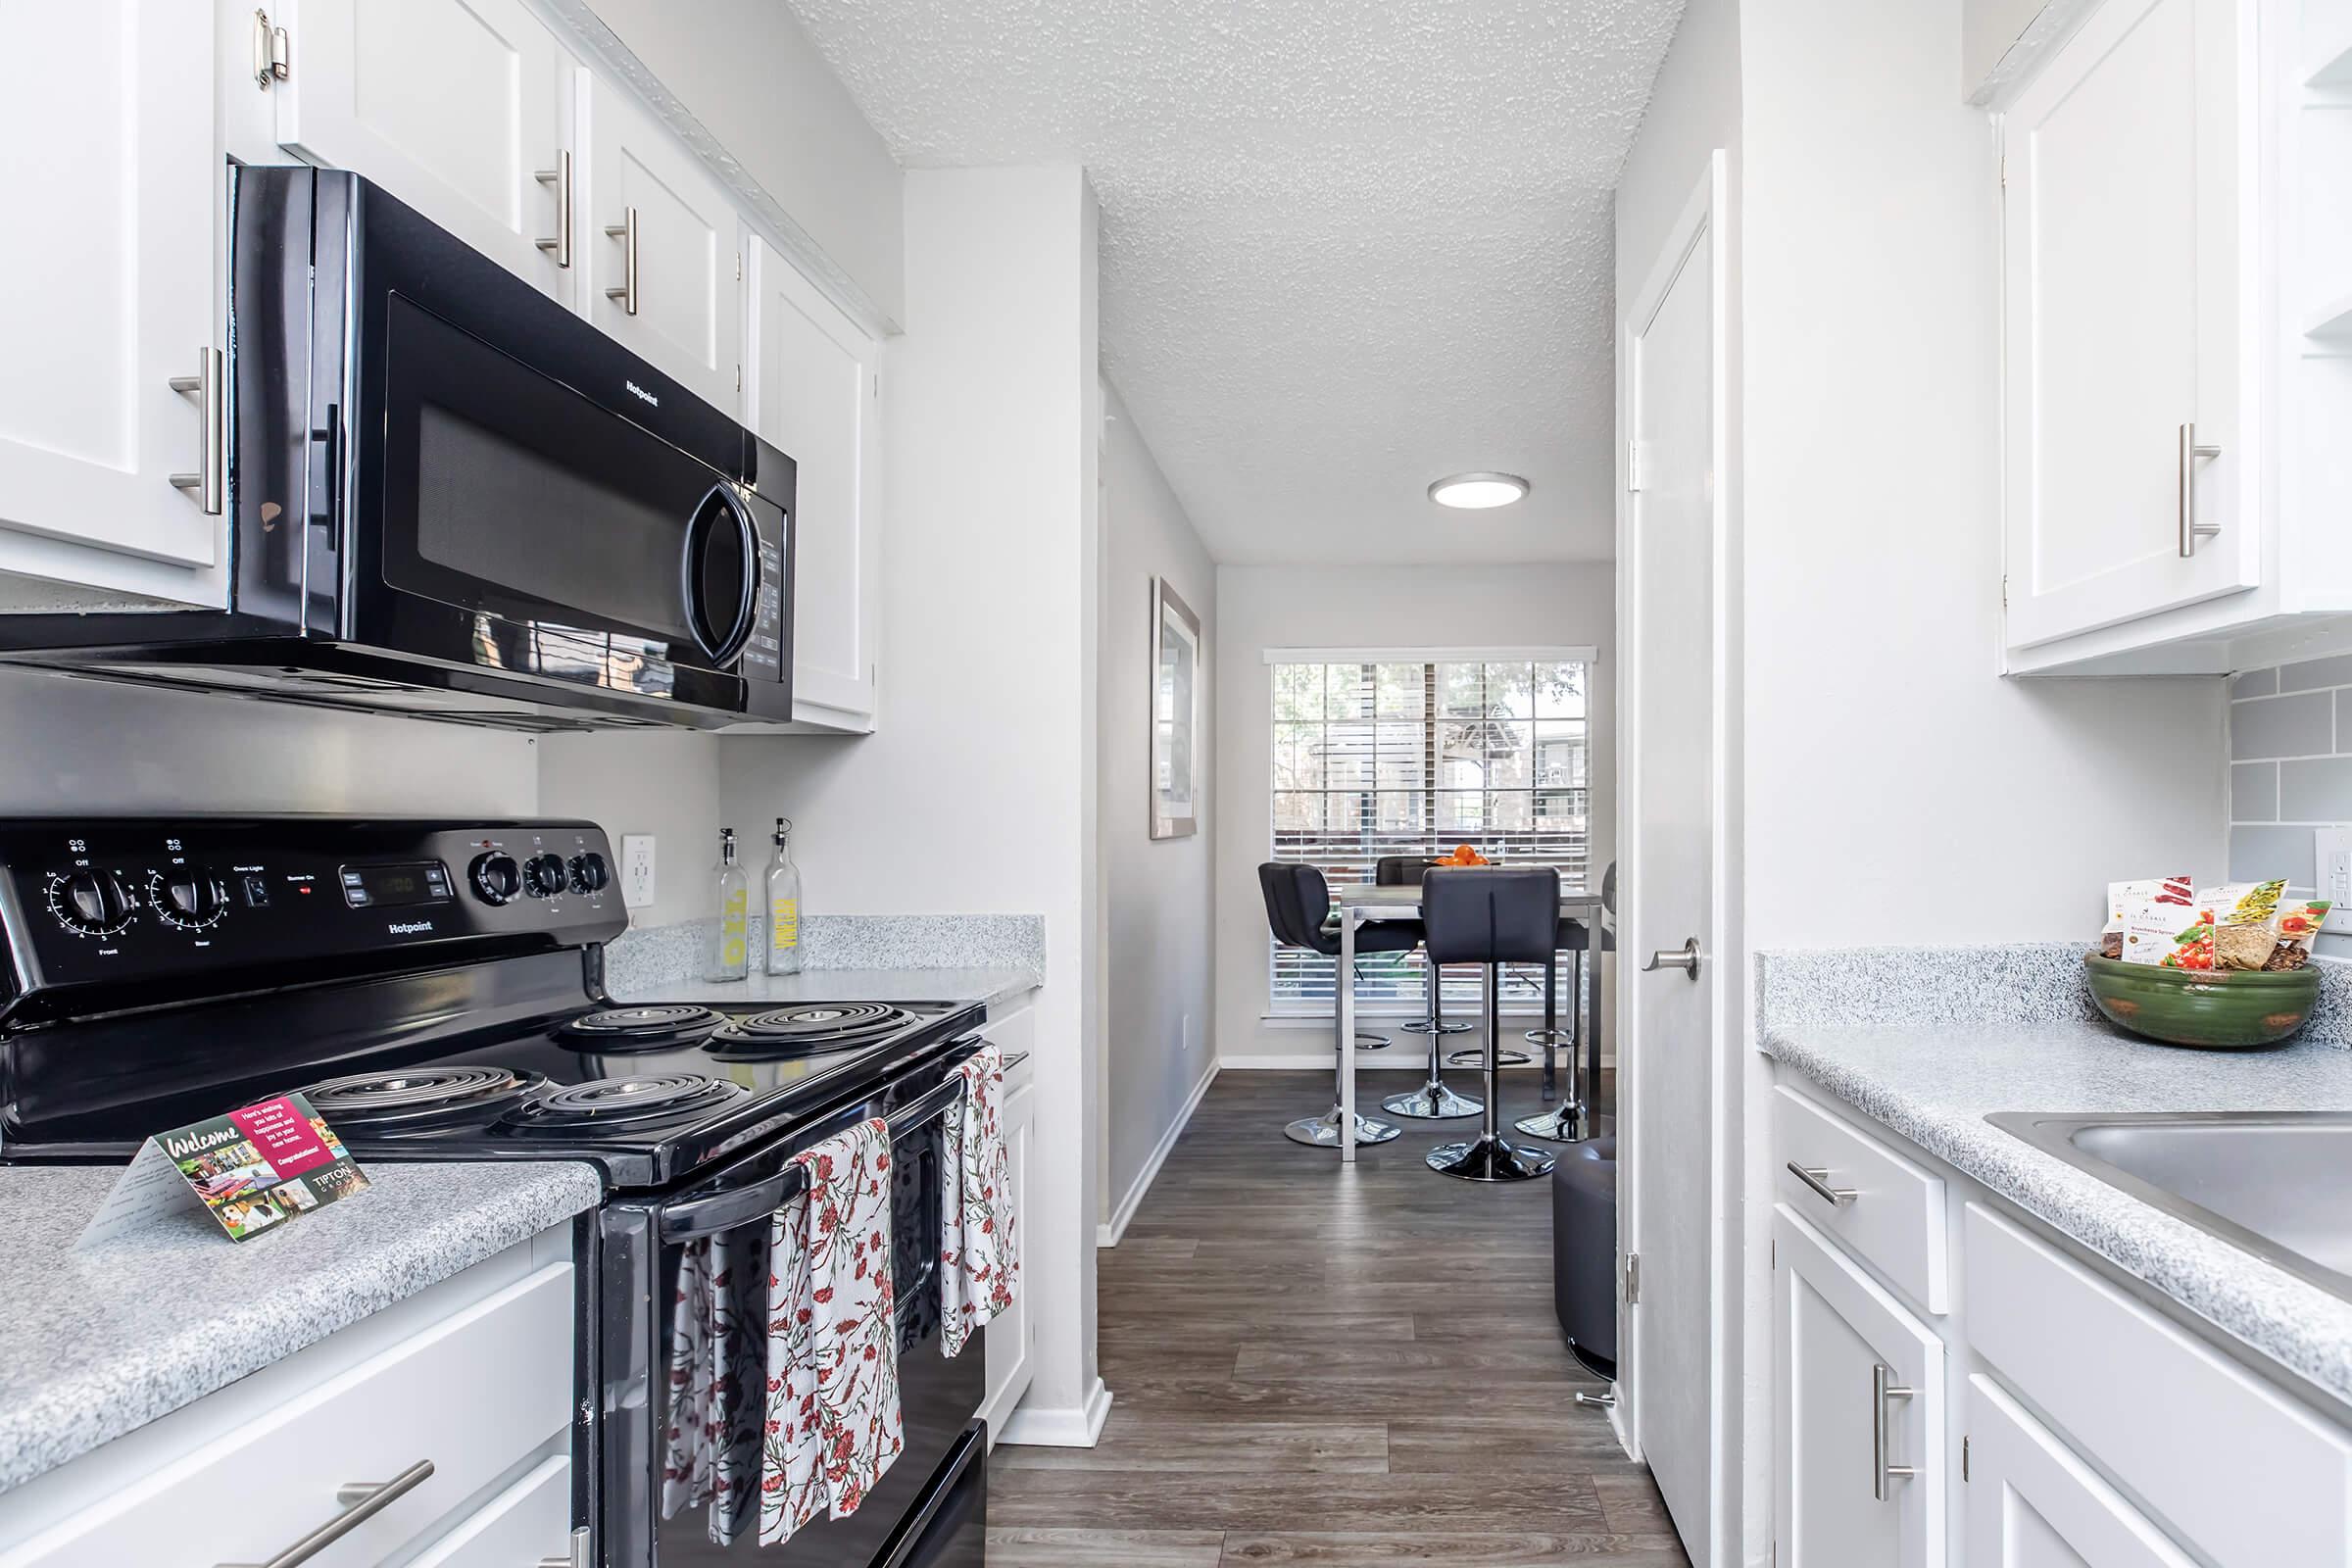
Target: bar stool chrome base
1557,1125
1489,1157
1431,1102
1323,1132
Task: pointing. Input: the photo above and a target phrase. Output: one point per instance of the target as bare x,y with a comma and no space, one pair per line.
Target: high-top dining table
1363,902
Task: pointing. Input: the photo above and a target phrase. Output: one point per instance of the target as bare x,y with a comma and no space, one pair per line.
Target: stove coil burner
806,1031
646,1028
605,1102
392,1101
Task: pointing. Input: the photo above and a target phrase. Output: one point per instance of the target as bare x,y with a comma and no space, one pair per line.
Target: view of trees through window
1399,756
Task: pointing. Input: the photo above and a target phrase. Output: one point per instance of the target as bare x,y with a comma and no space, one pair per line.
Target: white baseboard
1109,1233
1073,1426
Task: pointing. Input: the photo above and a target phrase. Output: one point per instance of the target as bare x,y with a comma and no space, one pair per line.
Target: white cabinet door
453,106
660,238
2032,1503
2124,209
107,290
813,389
1009,1336
1842,1427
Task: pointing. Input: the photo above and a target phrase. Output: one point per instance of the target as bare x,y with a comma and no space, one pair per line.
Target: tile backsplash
2290,771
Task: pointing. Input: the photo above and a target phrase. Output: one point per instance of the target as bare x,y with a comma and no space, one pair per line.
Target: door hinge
1964,1458
739,379
2004,589
1776,1252
273,56
1633,466
739,266
1633,1278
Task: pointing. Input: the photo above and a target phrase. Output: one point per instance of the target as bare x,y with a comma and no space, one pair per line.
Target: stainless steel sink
2272,1181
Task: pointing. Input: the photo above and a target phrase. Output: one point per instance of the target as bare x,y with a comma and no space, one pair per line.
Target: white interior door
1670,560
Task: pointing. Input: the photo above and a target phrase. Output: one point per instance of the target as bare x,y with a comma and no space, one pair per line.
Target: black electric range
436,987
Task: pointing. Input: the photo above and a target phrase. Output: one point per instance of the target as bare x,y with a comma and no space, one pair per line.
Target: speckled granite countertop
1934,1078
999,988
101,1342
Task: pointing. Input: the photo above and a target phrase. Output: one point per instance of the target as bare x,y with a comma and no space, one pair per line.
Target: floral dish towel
833,1419
717,1366
980,1259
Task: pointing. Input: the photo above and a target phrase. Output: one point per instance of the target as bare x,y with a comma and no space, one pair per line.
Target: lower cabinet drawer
2231,1465
474,1394
524,1526
1886,1207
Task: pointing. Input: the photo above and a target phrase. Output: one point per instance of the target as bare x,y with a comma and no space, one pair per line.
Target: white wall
663,782
1897,789
75,745
1380,606
976,792
1161,986
747,72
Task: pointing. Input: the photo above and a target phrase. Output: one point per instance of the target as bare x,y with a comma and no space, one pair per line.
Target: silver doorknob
1683,957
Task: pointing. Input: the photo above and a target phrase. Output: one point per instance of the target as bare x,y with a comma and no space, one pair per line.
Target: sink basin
2272,1181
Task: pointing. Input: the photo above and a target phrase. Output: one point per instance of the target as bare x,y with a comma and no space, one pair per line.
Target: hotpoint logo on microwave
643,393
408,928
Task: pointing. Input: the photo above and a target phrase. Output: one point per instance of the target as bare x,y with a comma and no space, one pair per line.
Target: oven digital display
389,887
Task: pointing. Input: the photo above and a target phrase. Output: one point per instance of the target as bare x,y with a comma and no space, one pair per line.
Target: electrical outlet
636,870
2331,850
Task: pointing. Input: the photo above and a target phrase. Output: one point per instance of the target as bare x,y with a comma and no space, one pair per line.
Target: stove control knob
543,875
91,903
189,897
496,877
589,873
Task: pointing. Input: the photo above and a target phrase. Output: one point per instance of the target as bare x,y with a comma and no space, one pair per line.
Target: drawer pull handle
1882,1390
362,1501
1817,1177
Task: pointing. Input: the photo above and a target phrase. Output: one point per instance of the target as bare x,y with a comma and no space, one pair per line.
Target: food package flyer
251,1171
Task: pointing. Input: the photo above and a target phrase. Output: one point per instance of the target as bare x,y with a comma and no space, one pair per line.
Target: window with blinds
1399,754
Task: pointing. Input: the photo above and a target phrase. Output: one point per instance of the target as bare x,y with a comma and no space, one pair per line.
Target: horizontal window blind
1396,754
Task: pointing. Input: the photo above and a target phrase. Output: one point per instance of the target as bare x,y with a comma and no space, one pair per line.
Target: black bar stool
1492,918
1571,1120
1433,1100
1297,907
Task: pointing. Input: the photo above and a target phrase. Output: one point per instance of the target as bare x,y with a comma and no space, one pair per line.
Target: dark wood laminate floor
1325,1366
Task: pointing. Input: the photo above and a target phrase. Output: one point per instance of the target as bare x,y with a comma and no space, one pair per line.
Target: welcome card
251,1171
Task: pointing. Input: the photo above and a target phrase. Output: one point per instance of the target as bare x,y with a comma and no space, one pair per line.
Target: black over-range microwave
450,495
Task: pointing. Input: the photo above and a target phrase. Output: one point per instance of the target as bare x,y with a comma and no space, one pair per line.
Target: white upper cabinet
813,386
2124,353
1858,1430
108,295
659,233
456,107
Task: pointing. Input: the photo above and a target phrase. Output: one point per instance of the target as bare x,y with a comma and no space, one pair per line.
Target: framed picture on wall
1175,711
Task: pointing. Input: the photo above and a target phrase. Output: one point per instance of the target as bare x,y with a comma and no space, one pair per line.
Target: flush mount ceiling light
1476,492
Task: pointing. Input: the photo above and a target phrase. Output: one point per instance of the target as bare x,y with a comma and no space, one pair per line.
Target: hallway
1312,1365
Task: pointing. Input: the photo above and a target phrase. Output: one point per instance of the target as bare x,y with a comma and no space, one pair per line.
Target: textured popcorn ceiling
1349,246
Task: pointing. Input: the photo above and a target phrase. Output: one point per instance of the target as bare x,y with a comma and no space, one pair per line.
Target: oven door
952,1529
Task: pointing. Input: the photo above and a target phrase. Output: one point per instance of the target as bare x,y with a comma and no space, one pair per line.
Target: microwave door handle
723,1211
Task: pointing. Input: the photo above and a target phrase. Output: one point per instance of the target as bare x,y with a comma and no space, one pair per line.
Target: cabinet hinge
1964,1458
1633,466
739,266
2004,589
1633,1278
273,56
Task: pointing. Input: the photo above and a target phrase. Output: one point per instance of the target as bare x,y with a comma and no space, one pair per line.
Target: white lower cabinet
1859,1413
457,1403
1011,1336
2033,1503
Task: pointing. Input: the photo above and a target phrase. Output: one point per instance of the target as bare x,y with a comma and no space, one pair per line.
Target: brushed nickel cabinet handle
362,1501
1817,1177
560,177
210,387
1883,1389
2191,454
626,232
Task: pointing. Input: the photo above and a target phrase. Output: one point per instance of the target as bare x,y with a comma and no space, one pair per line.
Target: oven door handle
698,1217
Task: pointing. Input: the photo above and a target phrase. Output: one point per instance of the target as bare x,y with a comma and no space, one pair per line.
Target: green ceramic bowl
2225,1010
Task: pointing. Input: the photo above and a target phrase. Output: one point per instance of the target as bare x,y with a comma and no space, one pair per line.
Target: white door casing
1673,589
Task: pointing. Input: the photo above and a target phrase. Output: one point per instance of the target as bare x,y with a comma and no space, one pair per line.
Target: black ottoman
1584,1252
